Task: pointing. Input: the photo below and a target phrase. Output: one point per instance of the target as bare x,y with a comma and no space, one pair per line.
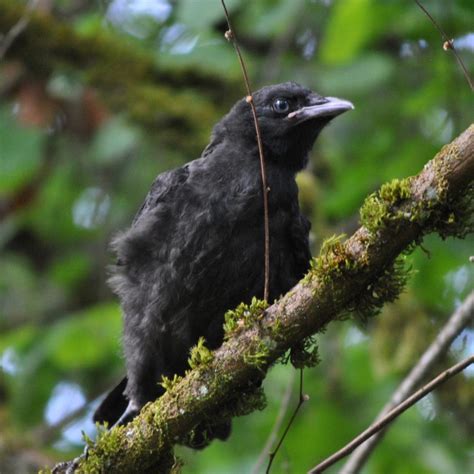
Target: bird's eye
281,105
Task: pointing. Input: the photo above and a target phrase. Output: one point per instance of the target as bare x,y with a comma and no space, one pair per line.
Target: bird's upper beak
321,107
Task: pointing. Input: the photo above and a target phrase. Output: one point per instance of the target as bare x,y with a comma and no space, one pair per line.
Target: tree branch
359,275
8,38
301,399
448,44
392,414
153,95
272,437
459,320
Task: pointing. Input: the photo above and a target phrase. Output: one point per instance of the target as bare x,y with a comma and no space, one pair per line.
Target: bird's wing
163,186
164,189
300,236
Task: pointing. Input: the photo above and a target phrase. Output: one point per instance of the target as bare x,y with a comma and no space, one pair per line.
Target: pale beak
321,107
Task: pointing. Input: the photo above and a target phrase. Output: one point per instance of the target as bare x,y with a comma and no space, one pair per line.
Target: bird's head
290,117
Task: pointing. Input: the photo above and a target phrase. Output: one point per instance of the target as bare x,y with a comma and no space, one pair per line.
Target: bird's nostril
318,100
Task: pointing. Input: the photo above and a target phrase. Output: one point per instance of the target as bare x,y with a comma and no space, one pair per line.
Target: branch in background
168,100
460,319
359,275
301,399
448,44
391,415
46,434
284,405
16,30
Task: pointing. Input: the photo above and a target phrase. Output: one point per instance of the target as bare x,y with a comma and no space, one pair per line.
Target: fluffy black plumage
196,248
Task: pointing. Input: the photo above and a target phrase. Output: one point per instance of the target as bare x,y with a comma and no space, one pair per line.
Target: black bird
196,246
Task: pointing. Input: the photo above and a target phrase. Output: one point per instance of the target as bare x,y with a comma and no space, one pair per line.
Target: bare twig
47,433
231,36
448,44
391,415
302,398
284,405
456,323
17,29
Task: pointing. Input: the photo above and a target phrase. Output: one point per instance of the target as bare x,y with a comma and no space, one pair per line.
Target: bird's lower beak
321,107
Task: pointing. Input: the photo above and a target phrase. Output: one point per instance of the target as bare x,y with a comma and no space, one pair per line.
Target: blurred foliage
75,165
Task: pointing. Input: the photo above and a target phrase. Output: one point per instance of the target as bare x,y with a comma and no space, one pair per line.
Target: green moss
449,217
243,316
107,443
372,212
245,401
305,354
333,261
335,264
168,383
380,208
258,357
457,218
200,355
112,451
276,329
395,191
384,288
249,401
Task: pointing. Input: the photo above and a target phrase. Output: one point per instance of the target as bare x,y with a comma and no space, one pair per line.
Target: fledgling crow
196,246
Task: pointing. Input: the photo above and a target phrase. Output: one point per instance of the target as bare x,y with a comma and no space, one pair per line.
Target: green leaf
359,77
85,340
20,152
114,140
350,27
71,269
201,14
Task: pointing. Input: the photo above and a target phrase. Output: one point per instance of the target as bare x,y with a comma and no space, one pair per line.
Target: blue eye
281,105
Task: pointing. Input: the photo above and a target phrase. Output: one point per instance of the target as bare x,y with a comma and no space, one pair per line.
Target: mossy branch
355,274
130,80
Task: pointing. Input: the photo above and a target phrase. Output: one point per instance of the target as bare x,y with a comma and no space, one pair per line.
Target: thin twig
47,433
231,36
302,398
16,30
448,44
391,415
454,326
284,405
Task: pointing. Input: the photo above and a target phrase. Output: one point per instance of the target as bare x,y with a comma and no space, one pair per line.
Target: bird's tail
112,406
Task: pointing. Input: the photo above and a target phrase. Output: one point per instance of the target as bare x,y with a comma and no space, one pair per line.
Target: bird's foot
128,415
